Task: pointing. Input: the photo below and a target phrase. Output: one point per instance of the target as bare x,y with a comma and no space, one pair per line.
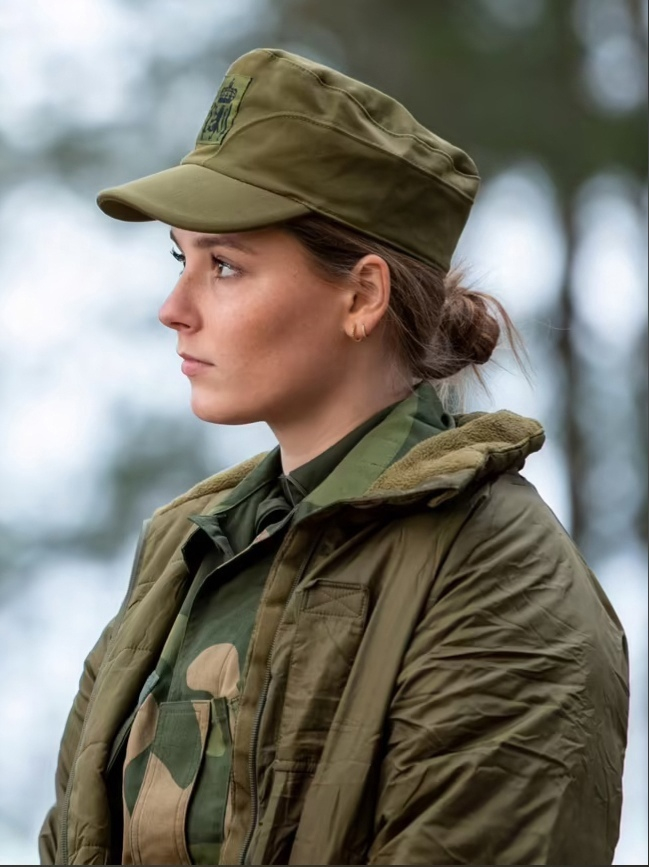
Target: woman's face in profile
260,332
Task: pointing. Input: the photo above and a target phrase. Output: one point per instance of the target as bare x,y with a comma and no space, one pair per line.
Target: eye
223,268
178,256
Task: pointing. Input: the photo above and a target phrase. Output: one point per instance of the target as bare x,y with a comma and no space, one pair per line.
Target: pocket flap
335,599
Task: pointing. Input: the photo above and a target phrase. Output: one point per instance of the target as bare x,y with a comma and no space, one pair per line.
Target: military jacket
434,675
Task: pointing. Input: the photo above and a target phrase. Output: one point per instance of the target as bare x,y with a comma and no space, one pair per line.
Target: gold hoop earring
359,339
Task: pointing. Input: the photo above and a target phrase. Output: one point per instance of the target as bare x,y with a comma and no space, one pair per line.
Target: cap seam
234,132
365,111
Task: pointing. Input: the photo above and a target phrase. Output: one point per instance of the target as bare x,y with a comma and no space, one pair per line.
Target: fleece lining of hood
480,443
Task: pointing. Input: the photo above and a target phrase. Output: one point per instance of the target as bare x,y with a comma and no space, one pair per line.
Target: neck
326,420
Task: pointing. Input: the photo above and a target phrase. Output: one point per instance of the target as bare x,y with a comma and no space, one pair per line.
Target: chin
222,412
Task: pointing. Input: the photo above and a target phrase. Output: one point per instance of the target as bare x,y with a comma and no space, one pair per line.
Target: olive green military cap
287,137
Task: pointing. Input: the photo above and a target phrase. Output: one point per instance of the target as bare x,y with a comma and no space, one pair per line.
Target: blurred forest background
548,96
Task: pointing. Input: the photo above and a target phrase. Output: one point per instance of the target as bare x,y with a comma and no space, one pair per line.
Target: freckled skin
277,335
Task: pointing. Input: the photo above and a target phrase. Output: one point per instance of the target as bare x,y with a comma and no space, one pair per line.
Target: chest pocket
329,628
155,833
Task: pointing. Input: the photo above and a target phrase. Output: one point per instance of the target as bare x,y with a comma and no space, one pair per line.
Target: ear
371,296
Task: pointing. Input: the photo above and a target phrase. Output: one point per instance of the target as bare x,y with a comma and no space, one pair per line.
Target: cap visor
198,199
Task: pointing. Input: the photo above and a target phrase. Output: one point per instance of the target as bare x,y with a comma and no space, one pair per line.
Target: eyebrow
204,242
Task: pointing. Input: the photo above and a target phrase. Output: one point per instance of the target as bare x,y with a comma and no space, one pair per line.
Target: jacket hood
417,449
480,445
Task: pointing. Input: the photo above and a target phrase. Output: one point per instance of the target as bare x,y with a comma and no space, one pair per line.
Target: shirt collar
306,478
348,468
409,422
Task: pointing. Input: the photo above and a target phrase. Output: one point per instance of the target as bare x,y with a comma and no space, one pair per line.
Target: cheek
272,348
281,323
303,337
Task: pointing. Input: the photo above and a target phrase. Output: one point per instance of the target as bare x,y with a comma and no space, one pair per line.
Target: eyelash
218,262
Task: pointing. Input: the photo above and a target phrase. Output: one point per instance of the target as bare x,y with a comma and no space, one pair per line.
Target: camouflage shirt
178,754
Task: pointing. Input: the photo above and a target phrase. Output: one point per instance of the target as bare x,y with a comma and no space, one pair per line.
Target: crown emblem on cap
224,109
227,93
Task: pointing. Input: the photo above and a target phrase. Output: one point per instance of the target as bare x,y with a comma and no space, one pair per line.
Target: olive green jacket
434,676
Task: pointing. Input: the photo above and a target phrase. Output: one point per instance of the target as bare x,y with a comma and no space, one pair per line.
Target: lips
186,357
192,366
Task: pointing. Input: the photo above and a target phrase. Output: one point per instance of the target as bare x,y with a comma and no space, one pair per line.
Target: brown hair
437,327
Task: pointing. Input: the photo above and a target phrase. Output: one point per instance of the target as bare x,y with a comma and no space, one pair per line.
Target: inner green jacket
435,676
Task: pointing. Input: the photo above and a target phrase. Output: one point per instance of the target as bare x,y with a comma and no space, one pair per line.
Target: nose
178,311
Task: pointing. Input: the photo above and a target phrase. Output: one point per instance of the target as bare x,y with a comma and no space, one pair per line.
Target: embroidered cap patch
224,109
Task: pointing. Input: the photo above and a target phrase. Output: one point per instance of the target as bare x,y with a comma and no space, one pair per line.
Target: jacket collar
418,418
416,451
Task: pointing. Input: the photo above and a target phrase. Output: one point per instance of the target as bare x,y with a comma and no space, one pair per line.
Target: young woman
374,644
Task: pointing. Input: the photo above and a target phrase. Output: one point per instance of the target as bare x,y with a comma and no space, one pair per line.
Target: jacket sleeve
507,729
48,838
48,841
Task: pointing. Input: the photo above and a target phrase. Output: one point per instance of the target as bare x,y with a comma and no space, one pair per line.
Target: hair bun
468,323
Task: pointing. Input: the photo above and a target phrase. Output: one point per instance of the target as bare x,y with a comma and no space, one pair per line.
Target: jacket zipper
254,740
63,826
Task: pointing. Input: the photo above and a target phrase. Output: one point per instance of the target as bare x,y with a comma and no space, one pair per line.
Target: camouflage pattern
178,756
172,813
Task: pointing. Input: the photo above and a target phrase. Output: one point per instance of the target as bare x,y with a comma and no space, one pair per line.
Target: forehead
203,241
267,240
